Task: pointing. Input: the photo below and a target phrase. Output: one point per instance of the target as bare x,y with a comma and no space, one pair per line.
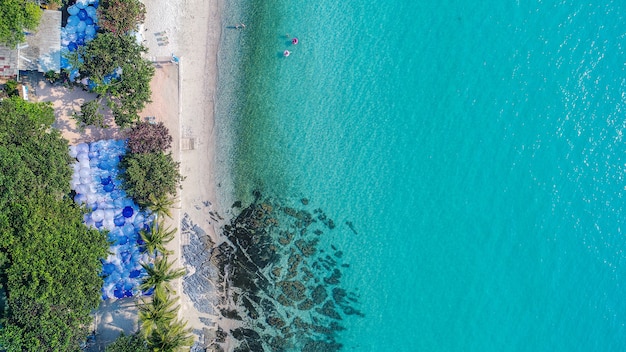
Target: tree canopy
128,343
15,17
128,94
146,137
49,260
121,16
150,176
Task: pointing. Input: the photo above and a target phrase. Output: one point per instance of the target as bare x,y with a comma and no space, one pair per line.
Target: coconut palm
172,337
161,311
160,274
162,206
157,237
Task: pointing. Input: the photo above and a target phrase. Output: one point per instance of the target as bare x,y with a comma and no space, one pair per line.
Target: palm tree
158,237
172,337
160,311
160,274
161,205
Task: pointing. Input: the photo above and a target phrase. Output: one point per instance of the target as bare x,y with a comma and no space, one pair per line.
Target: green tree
160,274
131,92
90,115
150,175
158,311
145,137
121,16
11,88
15,17
50,259
157,237
174,337
128,343
51,76
109,53
161,206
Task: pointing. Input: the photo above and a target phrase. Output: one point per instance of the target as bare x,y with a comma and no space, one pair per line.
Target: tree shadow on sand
66,101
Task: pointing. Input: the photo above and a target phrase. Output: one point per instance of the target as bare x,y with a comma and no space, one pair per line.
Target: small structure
41,51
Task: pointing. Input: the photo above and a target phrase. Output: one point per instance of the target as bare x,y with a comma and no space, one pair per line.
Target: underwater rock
347,310
319,294
294,290
290,211
316,346
339,295
252,313
334,278
275,322
276,271
230,314
243,333
282,299
272,259
237,204
279,344
351,227
220,334
328,309
307,304
307,247
251,338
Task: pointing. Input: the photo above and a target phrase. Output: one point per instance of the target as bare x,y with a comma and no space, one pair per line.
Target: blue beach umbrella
128,212
82,14
73,10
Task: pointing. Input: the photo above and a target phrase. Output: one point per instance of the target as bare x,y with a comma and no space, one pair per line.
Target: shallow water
476,149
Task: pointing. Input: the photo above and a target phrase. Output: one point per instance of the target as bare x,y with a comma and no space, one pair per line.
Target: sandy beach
190,30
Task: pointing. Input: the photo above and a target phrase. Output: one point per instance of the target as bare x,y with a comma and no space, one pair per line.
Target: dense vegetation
150,176
128,343
15,17
126,95
146,137
121,16
49,260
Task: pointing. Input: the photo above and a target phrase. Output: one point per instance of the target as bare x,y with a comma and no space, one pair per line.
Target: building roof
41,52
8,62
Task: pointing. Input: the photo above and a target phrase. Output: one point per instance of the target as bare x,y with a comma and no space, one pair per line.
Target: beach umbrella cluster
81,27
96,185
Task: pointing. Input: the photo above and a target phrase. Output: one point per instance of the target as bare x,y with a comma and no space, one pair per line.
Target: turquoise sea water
477,147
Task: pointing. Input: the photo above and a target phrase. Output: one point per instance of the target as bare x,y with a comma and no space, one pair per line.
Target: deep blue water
476,146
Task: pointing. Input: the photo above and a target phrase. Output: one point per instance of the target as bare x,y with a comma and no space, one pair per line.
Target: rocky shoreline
269,276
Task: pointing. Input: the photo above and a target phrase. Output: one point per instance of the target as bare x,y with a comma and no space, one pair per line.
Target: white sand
192,30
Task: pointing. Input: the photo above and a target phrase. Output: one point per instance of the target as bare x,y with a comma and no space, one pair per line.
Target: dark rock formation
270,266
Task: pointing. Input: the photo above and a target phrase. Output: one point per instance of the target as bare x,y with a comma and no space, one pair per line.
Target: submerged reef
274,279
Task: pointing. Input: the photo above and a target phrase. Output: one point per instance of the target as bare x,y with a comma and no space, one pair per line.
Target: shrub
11,88
89,115
149,176
121,16
146,137
128,343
